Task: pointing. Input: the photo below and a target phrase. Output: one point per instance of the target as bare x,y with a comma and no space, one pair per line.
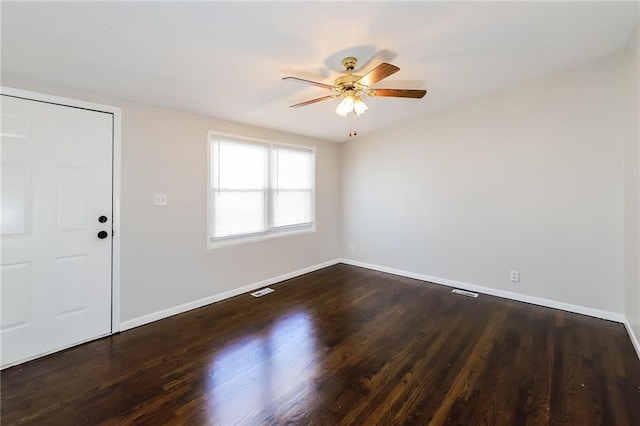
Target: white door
56,197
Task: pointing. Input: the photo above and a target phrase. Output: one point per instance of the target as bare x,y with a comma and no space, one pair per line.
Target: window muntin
258,190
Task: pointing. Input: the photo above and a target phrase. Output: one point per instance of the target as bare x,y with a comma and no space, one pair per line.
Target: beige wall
530,178
165,248
164,260
632,191
542,178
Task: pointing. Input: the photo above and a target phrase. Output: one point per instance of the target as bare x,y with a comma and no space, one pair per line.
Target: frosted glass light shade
351,103
345,107
359,107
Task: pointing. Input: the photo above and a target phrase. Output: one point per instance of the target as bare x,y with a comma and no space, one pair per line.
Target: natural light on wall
258,190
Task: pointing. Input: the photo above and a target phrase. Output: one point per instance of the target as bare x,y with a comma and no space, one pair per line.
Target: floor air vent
262,292
464,292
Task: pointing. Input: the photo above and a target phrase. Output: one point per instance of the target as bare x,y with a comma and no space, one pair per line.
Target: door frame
116,114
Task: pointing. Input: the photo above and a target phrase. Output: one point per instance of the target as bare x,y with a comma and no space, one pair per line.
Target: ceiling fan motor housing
348,82
349,63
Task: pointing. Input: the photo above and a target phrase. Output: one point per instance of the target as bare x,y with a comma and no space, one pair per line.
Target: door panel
16,192
16,287
56,182
73,193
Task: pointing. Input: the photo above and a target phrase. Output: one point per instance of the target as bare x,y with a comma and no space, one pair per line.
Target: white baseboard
611,316
633,337
155,316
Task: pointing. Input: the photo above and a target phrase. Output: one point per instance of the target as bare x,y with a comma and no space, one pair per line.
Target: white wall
632,191
165,248
535,178
164,261
530,178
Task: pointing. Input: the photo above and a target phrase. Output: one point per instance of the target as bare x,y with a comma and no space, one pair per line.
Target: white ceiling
227,59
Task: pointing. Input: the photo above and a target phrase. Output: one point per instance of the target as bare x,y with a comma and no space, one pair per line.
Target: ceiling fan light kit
351,87
351,103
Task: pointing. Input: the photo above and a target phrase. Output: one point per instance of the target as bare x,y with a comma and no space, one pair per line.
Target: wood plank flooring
341,346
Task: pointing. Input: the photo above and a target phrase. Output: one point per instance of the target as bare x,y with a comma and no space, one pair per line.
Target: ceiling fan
352,86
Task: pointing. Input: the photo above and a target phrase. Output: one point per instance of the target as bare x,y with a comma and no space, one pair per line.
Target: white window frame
272,232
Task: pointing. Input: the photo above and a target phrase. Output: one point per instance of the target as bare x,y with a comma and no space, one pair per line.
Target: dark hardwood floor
346,346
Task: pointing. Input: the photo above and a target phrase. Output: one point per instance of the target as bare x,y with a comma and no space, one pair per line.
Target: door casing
116,184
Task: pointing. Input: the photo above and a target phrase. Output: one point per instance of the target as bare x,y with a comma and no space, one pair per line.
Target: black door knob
103,219
102,235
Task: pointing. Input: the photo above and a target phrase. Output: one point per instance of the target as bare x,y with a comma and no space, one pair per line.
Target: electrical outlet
352,249
160,199
515,276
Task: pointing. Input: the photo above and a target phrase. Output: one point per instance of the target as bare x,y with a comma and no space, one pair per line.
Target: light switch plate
159,199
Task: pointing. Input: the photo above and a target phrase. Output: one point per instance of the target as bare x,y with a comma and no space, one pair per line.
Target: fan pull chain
352,132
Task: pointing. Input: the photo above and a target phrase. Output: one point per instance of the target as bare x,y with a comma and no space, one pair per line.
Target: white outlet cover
160,199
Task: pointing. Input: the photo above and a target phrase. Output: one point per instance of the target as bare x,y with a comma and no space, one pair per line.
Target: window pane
237,213
291,208
238,165
257,187
293,169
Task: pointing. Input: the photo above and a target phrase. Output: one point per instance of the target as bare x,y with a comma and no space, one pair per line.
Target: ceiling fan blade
383,55
315,83
383,70
397,93
313,101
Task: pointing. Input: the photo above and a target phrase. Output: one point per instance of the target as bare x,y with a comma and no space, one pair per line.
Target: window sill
233,241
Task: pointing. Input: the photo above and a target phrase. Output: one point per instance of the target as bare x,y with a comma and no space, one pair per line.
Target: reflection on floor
342,345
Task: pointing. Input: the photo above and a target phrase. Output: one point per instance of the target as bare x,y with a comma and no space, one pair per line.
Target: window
258,190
